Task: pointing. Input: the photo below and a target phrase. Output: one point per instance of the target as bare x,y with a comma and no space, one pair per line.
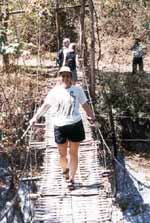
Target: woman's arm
88,111
42,110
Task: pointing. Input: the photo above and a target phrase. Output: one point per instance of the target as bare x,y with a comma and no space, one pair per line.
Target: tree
4,20
82,28
92,50
57,24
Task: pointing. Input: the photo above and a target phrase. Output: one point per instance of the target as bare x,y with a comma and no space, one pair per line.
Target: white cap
64,69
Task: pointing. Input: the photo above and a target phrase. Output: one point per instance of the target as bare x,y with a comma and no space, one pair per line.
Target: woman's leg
73,165
62,148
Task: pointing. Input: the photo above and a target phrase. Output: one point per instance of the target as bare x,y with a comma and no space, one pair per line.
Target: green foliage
125,93
124,18
146,26
128,96
38,23
13,48
111,3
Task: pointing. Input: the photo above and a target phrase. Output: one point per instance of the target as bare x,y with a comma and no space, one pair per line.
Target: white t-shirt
65,104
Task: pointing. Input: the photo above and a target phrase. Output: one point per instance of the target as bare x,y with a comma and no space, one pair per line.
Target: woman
68,126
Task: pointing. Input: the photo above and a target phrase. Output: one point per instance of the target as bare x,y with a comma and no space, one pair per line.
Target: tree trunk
57,25
83,43
5,19
82,28
92,50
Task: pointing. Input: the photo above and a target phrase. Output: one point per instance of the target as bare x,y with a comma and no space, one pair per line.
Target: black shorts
74,132
138,60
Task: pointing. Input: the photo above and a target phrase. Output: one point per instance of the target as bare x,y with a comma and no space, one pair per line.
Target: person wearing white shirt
64,100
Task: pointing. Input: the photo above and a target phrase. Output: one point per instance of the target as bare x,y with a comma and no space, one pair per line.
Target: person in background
61,55
72,61
64,100
138,54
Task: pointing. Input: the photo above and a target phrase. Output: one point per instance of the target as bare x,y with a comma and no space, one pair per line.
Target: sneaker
71,185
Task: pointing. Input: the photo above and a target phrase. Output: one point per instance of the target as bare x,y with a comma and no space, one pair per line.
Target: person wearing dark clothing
60,58
61,55
71,61
138,54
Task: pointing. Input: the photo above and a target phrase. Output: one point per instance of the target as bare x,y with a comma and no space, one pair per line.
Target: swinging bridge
95,183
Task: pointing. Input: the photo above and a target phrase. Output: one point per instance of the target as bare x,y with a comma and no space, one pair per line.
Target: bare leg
63,155
73,158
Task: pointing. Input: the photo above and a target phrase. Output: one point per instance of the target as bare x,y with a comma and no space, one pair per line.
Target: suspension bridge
92,200
93,197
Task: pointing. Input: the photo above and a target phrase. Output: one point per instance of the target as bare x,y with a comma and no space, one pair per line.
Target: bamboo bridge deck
90,202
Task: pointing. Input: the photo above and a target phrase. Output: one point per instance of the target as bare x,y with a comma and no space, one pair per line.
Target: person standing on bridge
72,61
61,55
138,54
64,100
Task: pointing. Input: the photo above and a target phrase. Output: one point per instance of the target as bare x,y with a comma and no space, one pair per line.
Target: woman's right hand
32,121
91,120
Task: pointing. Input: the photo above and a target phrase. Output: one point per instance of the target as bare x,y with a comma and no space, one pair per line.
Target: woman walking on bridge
68,126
